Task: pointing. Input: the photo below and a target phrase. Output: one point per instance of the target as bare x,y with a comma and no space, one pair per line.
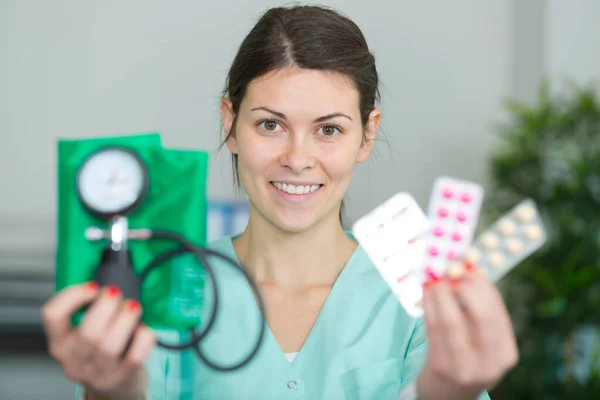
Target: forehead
292,89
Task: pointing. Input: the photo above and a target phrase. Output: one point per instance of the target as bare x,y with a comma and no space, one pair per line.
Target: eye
269,125
330,130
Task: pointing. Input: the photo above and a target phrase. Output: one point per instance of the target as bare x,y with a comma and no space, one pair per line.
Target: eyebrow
320,119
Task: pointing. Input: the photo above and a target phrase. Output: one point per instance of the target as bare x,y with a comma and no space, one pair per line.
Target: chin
294,224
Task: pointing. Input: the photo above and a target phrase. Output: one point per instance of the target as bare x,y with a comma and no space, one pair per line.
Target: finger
57,312
141,347
452,324
492,328
483,307
121,333
96,321
434,333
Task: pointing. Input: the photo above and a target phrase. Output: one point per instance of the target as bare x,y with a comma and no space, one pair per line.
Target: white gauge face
111,181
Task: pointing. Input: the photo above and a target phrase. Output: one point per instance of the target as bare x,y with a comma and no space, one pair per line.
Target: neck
313,257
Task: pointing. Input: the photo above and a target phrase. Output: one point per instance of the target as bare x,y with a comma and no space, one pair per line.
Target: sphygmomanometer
113,182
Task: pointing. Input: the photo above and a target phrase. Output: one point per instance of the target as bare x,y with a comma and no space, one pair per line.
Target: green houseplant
550,152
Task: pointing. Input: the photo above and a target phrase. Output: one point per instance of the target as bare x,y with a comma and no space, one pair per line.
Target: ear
228,118
369,136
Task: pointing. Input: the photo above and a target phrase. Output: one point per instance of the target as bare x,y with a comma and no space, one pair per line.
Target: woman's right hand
107,351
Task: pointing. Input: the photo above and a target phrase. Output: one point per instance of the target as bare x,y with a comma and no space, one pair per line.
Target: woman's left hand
471,339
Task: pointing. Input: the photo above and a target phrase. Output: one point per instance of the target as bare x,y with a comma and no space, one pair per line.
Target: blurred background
500,92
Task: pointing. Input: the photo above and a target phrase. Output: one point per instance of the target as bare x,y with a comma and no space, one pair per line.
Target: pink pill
433,251
452,255
456,236
461,217
447,193
466,198
442,212
438,231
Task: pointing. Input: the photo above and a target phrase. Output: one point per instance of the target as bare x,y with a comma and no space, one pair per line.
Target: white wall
78,69
573,41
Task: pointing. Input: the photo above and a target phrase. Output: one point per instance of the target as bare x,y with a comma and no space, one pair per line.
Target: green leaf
544,279
552,308
584,277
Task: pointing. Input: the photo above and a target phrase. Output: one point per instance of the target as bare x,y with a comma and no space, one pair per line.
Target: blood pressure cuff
172,294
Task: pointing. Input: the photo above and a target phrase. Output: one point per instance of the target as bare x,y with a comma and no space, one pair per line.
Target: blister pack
391,236
453,212
511,239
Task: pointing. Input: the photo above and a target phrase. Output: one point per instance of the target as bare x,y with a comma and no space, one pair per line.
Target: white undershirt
291,356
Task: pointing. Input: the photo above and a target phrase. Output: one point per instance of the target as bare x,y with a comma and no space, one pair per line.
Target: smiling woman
302,128
299,114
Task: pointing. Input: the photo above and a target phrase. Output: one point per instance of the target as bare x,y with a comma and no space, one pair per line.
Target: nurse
299,112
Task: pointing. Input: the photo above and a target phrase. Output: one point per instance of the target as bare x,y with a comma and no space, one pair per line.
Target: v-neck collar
351,267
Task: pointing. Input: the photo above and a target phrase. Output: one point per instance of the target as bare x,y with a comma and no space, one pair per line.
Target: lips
298,188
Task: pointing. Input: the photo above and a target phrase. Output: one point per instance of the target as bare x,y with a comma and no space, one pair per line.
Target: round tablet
496,259
447,193
489,240
473,255
438,231
456,269
507,226
533,232
514,246
526,213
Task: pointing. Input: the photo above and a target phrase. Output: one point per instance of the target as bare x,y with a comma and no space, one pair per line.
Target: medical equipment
133,197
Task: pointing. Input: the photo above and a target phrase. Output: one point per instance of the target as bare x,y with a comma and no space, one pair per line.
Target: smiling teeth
291,189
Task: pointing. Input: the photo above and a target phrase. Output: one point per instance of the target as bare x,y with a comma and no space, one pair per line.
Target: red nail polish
113,290
92,286
469,266
454,282
133,305
432,275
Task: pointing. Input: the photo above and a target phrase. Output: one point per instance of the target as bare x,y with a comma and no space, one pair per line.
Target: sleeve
414,360
170,372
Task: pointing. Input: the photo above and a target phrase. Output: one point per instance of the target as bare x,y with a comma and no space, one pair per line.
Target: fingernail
469,266
429,283
432,275
454,282
133,305
113,291
92,286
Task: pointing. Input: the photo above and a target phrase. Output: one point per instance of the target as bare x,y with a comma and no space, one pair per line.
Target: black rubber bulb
116,268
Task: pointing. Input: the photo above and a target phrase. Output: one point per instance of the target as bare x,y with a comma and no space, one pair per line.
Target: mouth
296,189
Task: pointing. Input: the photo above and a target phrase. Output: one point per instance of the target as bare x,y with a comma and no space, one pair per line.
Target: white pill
526,213
507,226
489,240
514,246
496,259
456,269
533,232
473,255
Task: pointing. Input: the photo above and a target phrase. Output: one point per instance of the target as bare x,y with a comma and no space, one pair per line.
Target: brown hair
311,37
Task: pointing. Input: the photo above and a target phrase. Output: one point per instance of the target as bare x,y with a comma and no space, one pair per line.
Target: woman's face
298,136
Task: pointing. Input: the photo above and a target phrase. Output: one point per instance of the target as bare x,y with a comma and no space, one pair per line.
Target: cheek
255,155
340,162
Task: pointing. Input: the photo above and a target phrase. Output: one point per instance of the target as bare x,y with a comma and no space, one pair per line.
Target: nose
298,154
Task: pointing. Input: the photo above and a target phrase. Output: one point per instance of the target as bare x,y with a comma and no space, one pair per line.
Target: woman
299,113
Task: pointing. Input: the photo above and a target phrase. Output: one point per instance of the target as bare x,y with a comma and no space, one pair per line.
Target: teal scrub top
363,345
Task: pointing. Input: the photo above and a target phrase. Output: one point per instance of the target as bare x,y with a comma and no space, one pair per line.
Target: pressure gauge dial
112,181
